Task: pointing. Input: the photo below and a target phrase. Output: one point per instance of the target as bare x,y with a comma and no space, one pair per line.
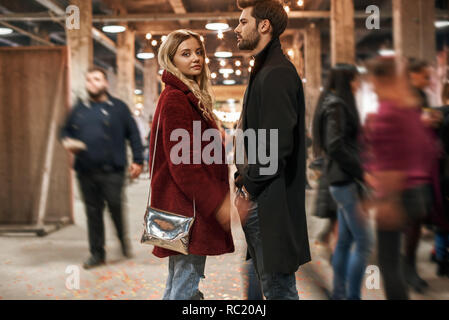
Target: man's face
96,83
421,79
248,36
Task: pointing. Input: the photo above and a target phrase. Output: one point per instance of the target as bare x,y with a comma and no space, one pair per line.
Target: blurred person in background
401,156
441,254
419,76
96,131
336,130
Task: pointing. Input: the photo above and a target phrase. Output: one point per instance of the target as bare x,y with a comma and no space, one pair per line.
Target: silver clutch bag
166,229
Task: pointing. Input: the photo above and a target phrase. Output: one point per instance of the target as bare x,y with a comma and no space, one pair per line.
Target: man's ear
265,26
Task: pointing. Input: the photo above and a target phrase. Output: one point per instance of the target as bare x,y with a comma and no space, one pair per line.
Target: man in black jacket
96,131
272,205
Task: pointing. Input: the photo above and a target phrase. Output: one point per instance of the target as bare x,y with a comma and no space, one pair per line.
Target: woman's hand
223,215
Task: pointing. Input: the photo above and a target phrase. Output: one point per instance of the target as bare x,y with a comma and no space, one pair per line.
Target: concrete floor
35,268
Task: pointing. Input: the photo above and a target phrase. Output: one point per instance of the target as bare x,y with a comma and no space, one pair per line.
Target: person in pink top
400,154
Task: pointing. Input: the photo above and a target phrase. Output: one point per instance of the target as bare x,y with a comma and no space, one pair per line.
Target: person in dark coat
185,103
336,131
96,131
272,204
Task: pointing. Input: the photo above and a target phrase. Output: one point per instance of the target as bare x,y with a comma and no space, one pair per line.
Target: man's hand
432,118
135,170
243,205
73,145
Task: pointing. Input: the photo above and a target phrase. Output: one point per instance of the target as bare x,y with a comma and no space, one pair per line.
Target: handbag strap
152,168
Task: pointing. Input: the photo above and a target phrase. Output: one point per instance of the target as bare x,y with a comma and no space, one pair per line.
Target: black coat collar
272,47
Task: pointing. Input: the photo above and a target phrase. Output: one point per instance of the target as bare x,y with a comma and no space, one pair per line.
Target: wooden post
342,32
150,87
312,49
414,29
125,67
81,49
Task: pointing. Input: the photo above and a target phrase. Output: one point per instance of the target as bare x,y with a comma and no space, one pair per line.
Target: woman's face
189,58
355,84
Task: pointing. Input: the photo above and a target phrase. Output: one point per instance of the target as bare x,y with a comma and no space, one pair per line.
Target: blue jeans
441,245
275,286
254,291
184,275
349,267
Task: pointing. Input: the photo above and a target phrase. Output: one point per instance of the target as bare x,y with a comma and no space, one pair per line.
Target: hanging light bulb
238,72
154,43
202,38
220,35
238,63
300,3
222,63
213,75
291,53
287,9
251,63
207,60
163,38
148,36
249,69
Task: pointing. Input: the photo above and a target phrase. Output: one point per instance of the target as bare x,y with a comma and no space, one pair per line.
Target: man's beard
96,95
251,42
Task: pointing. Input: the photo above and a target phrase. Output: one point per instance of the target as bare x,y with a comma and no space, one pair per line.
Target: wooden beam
178,8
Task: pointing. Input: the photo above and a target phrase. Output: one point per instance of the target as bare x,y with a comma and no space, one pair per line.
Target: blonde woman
185,103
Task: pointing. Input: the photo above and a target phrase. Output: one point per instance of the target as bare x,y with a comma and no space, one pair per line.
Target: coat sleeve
277,110
66,130
192,179
348,160
133,135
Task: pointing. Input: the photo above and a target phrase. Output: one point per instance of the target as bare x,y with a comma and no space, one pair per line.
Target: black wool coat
274,99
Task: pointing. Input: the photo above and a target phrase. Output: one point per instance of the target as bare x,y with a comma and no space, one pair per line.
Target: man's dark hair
267,9
416,65
103,71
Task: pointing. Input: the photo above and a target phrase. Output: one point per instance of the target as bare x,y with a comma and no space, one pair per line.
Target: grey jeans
184,275
275,286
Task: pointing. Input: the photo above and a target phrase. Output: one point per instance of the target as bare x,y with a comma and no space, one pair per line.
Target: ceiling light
226,70
154,43
217,26
148,36
441,24
137,91
238,72
228,82
387,52
145,55
213,75
4,31
113,29
220,35
238,63
300,3
222,63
